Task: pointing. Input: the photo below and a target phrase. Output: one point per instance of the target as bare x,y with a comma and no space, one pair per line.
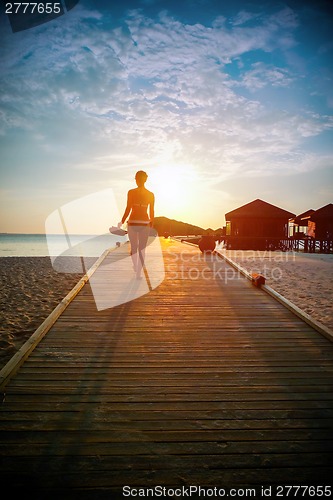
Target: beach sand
30,289
304,279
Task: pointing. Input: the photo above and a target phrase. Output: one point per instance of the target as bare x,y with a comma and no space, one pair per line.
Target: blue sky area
221,102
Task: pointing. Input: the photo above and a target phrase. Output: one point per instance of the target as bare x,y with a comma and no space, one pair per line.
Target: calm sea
40,245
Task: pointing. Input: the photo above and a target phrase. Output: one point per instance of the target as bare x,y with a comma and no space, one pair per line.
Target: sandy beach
304,279
31,289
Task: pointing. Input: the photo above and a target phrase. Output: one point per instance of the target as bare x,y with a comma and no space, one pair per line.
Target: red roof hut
257,226
300,224
323,220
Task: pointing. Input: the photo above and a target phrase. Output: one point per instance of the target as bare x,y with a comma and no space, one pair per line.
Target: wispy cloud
151,85
260,75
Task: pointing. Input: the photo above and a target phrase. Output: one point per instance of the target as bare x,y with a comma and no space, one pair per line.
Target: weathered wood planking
318,326
204,381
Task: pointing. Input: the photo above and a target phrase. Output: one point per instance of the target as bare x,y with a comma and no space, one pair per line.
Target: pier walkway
204,381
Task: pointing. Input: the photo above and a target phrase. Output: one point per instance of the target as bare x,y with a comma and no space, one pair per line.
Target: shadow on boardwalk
204,381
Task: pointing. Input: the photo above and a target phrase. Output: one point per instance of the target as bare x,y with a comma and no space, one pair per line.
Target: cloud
154,85
243,17
261,75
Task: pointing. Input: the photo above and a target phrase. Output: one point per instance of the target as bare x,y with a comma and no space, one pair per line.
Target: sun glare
173,187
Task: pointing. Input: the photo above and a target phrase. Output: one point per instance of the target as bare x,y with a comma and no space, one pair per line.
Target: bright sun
173,187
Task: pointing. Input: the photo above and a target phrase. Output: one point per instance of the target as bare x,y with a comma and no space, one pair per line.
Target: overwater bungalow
315,228
300,224
321,222
258,225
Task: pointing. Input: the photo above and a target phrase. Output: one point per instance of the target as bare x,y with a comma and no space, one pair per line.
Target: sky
220,102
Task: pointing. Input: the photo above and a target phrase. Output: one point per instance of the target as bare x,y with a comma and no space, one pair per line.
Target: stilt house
257,226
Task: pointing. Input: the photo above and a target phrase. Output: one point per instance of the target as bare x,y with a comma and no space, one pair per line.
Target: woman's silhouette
139,222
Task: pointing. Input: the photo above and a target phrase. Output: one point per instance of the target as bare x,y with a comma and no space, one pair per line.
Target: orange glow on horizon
174,187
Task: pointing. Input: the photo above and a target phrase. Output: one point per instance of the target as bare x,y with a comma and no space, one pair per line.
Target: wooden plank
56,447
238,396
109,484
18,359
71,424
307,318
195,462
205,380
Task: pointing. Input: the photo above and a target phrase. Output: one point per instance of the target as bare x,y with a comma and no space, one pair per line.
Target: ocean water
54,245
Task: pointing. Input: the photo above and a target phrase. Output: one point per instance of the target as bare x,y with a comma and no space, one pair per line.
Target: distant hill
172,227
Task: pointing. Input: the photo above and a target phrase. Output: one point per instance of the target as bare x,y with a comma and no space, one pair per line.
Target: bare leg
142,243
134,241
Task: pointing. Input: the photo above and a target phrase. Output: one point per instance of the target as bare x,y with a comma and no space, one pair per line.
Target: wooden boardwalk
206,380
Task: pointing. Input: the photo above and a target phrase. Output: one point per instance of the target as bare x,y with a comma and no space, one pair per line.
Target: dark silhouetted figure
139,201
